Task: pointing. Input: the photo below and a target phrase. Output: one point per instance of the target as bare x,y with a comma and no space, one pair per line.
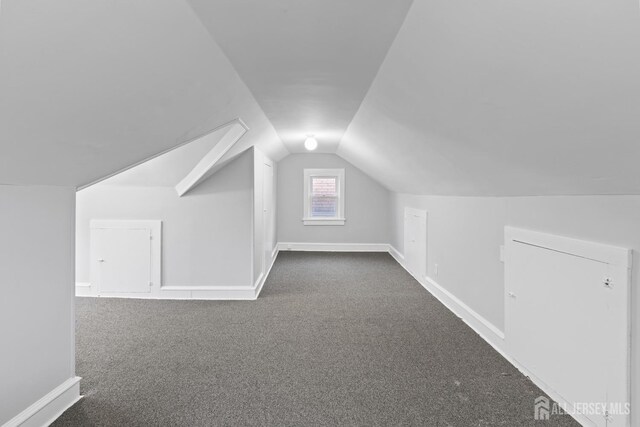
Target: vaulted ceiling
459,97
308,63
90,87
506,97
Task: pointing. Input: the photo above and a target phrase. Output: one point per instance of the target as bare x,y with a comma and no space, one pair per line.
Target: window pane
324,197
323,186
324,206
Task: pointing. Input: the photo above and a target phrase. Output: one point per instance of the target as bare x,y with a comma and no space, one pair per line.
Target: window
323,197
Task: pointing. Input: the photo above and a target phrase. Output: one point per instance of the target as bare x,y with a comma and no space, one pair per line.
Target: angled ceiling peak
309,64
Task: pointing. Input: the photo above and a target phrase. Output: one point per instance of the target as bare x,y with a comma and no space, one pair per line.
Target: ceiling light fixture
310,143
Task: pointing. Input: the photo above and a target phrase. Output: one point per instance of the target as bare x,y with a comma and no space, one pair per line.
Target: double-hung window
323,197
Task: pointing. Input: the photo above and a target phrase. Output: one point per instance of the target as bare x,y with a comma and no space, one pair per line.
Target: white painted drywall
465,234
89,88
169,168
502,97
366,204
207,233
36,308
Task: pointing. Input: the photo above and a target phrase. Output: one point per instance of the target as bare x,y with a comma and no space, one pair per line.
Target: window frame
339,174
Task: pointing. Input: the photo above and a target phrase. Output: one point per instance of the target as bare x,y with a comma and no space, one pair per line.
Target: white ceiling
308,63
170,168
90,87
498,97
504,97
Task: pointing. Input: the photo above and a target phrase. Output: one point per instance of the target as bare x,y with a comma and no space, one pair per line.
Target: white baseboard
188,292
474,320
205,292
333,247
397,255
263,277
84,289
179,292
487,331
49,407
471,318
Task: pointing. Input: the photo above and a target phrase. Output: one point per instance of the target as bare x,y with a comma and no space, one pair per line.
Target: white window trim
307,219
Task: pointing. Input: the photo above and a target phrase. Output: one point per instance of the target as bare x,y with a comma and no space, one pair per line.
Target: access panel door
567,319
122,259
268,216
415,241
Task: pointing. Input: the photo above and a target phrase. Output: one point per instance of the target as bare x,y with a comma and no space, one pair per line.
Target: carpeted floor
334,339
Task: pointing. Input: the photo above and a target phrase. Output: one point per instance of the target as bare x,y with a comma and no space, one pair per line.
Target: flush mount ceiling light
310,143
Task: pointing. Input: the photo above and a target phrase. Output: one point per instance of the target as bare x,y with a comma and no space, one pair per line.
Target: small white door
122,259
415,241
565,323
268,217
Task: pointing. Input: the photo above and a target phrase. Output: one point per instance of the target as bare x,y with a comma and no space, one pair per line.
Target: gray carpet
334,339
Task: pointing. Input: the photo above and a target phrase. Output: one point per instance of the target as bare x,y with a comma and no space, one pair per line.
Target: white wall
465,233
36,307
366,204
207,234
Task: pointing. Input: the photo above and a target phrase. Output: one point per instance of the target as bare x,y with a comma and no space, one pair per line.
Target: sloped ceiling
308,63
168,169
492,97
504,97
90,87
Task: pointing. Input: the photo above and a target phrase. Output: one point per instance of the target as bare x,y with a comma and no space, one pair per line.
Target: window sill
323,221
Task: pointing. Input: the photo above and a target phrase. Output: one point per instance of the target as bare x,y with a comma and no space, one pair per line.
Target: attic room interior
285,213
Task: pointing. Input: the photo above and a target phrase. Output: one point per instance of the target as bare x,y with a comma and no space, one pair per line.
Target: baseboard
189,292
472,318
333,247
263,277
84,289
204,293
563,403
49,407
397,255
179,292
486,330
